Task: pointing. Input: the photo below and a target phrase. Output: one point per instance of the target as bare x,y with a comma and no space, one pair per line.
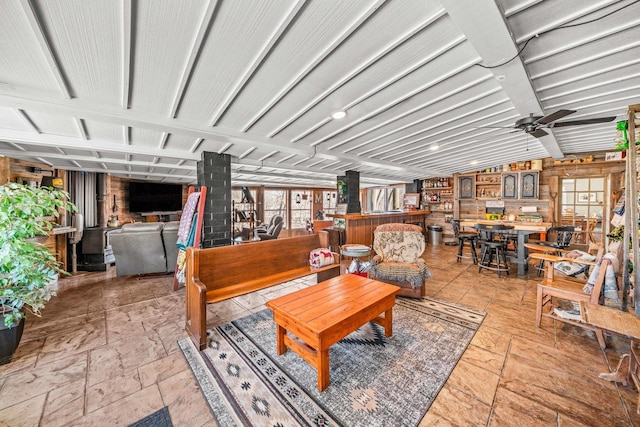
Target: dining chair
564,235
591,225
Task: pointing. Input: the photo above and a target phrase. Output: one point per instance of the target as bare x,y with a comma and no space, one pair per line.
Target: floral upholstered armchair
397,261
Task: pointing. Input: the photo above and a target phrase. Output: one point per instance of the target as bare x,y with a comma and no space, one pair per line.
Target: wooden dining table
523,230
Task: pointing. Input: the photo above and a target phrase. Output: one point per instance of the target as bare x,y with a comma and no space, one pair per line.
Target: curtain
83,192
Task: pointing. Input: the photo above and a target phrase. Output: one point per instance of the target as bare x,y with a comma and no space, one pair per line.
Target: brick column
214,171
353,191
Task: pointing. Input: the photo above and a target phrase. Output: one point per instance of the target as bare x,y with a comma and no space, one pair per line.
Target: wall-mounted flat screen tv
154,197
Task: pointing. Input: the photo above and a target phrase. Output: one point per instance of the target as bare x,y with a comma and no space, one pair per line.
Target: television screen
154,197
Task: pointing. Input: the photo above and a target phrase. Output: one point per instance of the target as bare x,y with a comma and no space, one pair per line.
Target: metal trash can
435,234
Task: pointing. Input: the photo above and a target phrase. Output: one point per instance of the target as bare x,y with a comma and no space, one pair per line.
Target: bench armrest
196,321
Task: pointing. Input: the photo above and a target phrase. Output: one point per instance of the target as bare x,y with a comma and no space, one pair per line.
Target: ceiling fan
533,125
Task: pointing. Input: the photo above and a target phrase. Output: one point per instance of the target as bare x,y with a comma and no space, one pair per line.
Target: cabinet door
467,189
510,186
528,185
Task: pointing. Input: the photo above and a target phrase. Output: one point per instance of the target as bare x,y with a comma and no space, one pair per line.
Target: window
583,204
300,208
377,200
384,199
395,198
329,202
275,203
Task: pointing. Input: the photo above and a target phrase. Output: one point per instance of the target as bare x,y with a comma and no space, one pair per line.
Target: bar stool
75,238
493,243
336,238
470,237
422,225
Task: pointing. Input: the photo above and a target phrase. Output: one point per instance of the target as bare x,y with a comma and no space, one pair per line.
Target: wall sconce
298,199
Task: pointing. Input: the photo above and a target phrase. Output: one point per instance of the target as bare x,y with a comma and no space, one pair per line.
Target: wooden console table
323,314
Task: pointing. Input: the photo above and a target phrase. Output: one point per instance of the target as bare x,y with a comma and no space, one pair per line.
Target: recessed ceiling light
501,77
474,162
434,147
339,114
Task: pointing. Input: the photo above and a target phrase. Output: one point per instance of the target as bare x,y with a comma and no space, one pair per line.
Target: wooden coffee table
321,315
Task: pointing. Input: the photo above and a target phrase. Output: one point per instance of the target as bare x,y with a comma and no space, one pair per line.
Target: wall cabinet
498,185
510,185
466,185
529,185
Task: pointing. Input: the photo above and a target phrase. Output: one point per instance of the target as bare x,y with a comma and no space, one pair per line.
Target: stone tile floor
105,353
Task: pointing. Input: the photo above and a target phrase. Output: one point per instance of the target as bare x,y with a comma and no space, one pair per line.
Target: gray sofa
145,247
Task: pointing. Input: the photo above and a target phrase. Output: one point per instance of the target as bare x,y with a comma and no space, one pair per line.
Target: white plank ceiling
140,88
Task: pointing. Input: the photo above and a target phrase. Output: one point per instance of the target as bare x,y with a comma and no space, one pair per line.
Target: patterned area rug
375,380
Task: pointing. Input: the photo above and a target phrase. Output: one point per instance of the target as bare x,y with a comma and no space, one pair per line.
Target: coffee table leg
388,323
280,347
323,369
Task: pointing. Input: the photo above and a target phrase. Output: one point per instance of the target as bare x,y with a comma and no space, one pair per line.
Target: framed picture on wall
411,200
586,197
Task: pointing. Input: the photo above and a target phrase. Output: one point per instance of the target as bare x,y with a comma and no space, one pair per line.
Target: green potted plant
26,266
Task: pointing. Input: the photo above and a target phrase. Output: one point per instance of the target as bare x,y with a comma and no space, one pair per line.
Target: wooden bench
623,323
224,272
570,290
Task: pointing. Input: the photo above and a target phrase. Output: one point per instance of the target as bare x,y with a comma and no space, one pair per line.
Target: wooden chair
568,290
563,237
591,225
596,249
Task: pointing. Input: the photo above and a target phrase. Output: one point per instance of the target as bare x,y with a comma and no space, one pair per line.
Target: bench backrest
228,265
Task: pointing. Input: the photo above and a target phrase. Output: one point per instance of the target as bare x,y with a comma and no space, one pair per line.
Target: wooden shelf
248,210
437,188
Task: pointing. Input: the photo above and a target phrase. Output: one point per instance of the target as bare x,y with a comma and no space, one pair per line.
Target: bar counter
359,227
